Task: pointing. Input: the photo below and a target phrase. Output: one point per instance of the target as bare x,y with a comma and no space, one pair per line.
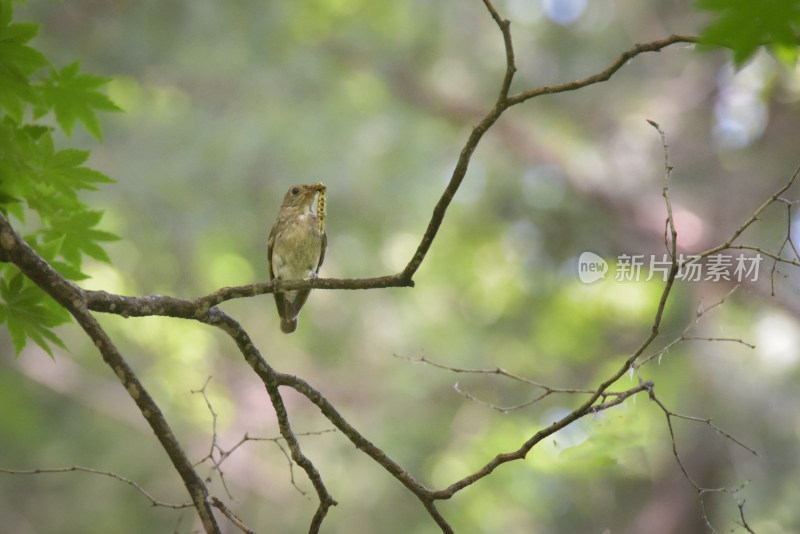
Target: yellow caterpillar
321,208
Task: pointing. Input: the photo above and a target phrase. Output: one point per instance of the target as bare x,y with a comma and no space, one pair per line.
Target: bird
296,247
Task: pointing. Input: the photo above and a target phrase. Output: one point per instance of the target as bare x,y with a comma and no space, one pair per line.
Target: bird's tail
288,325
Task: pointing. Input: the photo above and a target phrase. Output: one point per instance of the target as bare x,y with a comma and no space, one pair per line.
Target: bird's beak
320,187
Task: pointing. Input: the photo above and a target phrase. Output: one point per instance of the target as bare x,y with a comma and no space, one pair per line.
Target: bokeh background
227,104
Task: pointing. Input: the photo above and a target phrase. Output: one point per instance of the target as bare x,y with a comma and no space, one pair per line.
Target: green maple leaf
17,62
75,97
30,313
64,170
50,250
746,25
79,236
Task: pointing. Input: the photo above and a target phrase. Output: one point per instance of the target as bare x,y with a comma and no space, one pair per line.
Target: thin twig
499,371
716,429
701,490
110,474
684,336
744,521
233,518
496,371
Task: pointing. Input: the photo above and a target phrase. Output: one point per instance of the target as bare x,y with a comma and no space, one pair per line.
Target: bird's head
303,197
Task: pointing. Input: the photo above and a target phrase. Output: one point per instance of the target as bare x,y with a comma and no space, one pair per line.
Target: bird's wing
280,300
322,252
270,246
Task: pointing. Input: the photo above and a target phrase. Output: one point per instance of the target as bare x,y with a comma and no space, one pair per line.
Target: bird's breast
297,249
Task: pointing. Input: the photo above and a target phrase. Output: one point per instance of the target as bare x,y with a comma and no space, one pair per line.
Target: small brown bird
296,247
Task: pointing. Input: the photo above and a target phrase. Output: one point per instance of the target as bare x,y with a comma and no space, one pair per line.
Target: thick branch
272,381
16,250
128,306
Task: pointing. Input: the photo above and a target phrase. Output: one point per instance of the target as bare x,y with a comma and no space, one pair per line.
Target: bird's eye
295,190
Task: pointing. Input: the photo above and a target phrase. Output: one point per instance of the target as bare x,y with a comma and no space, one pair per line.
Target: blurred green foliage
228,104
745,26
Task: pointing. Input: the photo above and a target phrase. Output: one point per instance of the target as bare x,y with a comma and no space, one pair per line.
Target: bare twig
716,429
684,336
233,518
499,371
511,68
700,489
496,371
214,441
744,524
223,454
755,217
777,258
501,409
110,474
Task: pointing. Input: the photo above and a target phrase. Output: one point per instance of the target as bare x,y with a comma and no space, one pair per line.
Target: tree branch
81,469
73,300
233,518
604,75
272,380
589,405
